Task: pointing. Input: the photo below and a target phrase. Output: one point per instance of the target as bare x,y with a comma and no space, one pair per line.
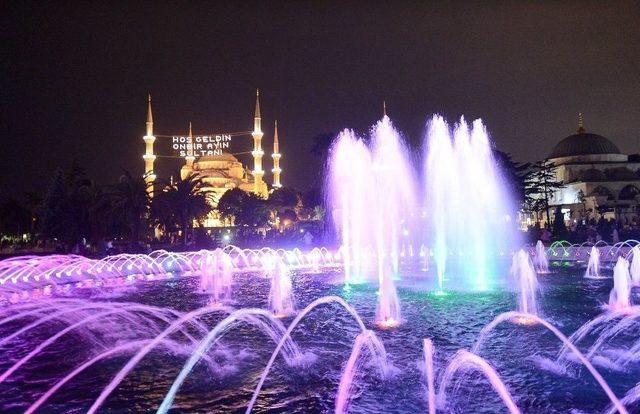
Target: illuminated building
599,181
207,157
149,157
276,158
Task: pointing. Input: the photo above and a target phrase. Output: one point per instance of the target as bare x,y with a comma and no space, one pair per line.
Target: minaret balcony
149,138
149,157
257,153
276,170
276,155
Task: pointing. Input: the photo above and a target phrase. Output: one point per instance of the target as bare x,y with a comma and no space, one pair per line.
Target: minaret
189,159
258,172
384,108
276,159
149,157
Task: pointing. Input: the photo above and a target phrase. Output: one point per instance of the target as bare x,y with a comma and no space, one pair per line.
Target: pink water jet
593,266
523,273
429,372
372,199
378,355
540,260
634,270
216,274
620,296
464,359
281,299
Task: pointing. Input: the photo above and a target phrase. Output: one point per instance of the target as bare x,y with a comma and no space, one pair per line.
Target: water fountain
620,297
470,212
523,273
216,275
593,266
67,349
365,340
371,194
540,260
281,299
635,266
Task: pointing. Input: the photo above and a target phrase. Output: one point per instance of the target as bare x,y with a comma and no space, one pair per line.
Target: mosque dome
221,157
583,143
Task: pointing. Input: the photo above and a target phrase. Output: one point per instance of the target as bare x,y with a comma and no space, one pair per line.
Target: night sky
75,76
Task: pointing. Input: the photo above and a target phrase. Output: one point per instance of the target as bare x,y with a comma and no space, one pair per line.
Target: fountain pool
523,356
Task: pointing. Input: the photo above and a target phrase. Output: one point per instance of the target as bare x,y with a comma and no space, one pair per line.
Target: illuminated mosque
599,180
220,171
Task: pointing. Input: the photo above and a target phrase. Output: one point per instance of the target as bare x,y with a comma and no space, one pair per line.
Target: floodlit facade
219,170
599,181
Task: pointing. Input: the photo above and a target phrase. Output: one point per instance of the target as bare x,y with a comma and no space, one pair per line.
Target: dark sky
75,76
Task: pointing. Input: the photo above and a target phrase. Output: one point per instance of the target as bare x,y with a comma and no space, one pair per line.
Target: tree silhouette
130,200
180,204
541,183
245,209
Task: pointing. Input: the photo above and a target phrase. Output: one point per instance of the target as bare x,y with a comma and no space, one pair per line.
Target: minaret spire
149,157
259,186
257,112
149,117
581,129
384,108
186,170
276,158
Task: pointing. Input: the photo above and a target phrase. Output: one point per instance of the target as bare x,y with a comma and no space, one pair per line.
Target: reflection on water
524,356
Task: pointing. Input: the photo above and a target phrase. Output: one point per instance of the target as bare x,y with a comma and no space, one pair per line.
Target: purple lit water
518,353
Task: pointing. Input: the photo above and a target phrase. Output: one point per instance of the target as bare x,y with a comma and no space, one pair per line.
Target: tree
284,197
541,184
254,211
513,175
130,200
54,214
15,219
313,198
33,203
73,208
245,209
230,203
180,204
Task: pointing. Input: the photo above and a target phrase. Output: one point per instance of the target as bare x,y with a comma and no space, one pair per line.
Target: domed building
599,181
220,171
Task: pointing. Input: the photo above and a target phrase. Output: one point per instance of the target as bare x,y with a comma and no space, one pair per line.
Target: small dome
223,157
583,143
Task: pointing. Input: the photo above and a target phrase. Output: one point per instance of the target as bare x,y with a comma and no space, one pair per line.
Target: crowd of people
592,231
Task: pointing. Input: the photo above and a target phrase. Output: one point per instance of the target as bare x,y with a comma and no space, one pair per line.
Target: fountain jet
524,274
593,267
540,260
372,199
635,265
281,300
469,211
620,296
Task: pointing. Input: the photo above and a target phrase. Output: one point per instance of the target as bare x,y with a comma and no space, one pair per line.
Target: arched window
628,193
601,191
